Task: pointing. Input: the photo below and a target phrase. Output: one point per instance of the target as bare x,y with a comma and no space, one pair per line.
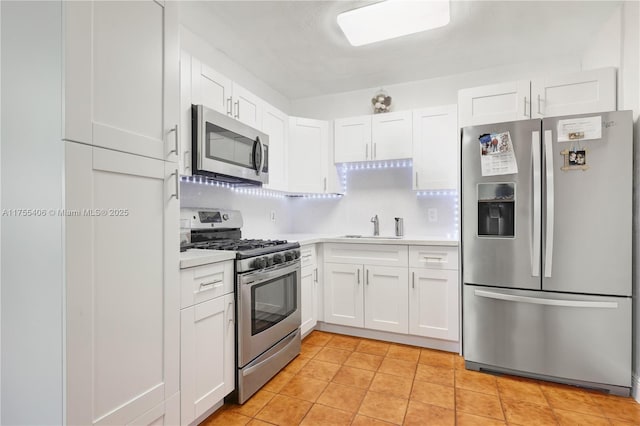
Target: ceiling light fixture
392,18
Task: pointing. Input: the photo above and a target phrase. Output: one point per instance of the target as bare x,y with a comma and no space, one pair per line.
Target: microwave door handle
259,148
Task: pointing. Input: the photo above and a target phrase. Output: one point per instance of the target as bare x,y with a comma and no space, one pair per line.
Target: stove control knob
225,216
259,263
288,256
278,258
296,254
268,261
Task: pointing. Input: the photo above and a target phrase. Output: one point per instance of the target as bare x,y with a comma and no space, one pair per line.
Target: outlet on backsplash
272,215
432,214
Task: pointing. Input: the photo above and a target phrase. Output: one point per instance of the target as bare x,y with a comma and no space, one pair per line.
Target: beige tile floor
343,380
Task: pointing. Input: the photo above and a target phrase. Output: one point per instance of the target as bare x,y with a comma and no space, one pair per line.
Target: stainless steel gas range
267,293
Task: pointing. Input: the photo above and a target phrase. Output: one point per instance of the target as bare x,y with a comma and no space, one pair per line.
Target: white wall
604,48
217,60
31,169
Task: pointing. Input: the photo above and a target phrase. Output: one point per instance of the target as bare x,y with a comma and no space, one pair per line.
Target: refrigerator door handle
549,302
537,208
548,151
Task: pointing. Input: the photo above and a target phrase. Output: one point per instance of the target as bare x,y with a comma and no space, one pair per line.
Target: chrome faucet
376,225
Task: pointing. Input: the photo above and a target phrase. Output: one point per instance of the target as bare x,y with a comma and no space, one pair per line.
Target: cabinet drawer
433,257
308,255
205,282
367,254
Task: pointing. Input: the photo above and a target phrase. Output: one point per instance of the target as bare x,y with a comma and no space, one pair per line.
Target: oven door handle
257,277
289,340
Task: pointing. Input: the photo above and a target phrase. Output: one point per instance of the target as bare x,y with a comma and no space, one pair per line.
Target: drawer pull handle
306,256
430,259
210,283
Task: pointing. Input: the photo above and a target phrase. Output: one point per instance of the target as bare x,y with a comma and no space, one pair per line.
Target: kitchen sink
380,237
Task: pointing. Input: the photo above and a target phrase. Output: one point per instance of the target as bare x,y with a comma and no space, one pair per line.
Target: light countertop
304,239
197,257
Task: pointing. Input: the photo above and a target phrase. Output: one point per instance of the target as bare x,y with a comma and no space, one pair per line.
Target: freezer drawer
570,337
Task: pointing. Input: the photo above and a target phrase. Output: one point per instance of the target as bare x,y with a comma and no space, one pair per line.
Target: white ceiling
297,48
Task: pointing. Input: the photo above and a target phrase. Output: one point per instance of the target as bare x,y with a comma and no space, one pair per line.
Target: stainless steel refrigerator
547,249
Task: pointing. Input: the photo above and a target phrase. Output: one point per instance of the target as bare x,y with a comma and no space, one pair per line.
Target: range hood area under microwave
227,150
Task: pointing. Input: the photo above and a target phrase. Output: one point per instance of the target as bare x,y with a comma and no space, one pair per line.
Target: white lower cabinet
122,292
165,414
372,295
309,288
433,303
385,299
434,291
207,343
411,290
343,295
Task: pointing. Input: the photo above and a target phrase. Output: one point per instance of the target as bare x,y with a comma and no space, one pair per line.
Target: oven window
272,301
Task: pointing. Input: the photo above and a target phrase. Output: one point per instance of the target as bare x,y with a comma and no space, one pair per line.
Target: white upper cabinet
218,92
275,123
391,135
385,136
435,148
121,76
352,139
494,103
210,88
309,156
247,107
578,93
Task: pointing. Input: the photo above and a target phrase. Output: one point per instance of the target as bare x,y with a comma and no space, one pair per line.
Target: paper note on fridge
582,128
496,154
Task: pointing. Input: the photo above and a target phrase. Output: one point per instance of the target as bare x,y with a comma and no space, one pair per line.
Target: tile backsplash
385,192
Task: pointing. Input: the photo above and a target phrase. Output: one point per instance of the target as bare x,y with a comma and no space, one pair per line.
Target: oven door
268,309
228,147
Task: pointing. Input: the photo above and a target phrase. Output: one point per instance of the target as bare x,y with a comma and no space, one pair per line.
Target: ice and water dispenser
496,209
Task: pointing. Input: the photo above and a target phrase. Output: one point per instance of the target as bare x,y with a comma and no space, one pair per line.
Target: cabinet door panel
207,355
343,294
165,414
308,299
121,82
578,93
275,123
392,135
386,299
433,303
494,103
352,139
308,155
122,302
247,107
210,88
436,163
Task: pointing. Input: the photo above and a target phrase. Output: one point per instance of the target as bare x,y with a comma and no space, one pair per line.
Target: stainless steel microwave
226,149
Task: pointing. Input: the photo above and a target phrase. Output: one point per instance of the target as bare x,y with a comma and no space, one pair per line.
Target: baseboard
425,342
635,387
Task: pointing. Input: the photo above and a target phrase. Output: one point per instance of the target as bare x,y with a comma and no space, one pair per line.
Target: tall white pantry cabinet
121,136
